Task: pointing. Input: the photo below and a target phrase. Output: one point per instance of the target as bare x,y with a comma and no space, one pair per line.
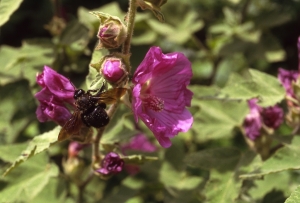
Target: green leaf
170,177
75,32
147,37
286,158
269,183
35,146
52,192
219,158
182,32
117,130
17,109
295,196
9,153
113,9
261,85
7,7
29,180
94,79
275,56
24,62
222,187
217,119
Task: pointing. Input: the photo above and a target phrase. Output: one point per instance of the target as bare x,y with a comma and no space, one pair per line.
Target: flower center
153,102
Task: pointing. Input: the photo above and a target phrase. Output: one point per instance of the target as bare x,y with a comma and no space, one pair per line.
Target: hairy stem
130,25
126,51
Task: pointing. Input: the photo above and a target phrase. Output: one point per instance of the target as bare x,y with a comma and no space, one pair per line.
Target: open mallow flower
160,94
56,93
57,84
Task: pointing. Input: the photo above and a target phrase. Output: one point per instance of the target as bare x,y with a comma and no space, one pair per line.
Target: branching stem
130,26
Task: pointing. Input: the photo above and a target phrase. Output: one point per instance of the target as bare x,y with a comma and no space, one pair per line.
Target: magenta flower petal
51,110
298,46
139,142
253,121
113,69
160,94
286,77
111,164
272,116
57,84
57,91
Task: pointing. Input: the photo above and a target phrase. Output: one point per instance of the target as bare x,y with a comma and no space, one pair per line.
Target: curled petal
50,110
59,85
111,164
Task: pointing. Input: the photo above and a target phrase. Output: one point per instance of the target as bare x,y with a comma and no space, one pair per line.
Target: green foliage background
235,46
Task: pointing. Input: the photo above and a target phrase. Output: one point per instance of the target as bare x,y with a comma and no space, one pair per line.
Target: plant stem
110,112
126,51
81,187
130,25
96,151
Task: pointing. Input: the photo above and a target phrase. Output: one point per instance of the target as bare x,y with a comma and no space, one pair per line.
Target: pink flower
139,143
51,110
57,91
253,122
57,84
111,164
160,94
286,77
271,116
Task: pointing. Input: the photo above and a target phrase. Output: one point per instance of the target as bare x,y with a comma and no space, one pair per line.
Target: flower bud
74,168
111,164
112,32
113,69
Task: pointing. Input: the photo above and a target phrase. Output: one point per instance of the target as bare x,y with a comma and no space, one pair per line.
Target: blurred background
219,37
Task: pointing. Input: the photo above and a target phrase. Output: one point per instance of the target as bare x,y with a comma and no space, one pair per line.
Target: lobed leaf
222,187
35,146
26,186
261,85
217,119
286,158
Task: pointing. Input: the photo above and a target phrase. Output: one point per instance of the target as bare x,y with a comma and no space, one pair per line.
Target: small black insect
89,112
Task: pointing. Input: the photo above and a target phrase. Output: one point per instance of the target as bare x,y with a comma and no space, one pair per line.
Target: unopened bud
113,69
112,32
